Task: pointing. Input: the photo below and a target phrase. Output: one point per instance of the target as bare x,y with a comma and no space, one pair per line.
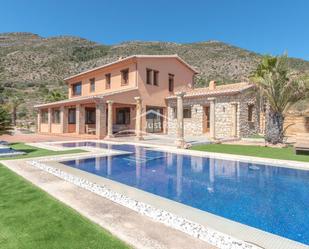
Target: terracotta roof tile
219,90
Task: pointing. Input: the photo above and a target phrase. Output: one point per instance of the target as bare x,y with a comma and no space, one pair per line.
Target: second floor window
124,77
171,82
92,85
155,78
108,81
148,76
77,89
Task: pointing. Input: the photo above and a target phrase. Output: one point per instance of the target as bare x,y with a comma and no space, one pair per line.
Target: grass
256,151
32,151
31,219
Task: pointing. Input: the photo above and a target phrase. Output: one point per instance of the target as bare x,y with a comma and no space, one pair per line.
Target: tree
15,100
5,121
55,95
281,88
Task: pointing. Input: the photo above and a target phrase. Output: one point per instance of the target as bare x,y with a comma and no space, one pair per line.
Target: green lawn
257,151
31,219
36,152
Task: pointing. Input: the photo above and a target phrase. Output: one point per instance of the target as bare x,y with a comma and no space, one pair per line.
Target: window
125,77
250,113
92,85
72,116
44,116
108,81
148,76
77,89
90,115
156,78
123,115
56,116
171,82
186,112
174,112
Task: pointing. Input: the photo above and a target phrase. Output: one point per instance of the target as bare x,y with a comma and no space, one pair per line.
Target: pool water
273,199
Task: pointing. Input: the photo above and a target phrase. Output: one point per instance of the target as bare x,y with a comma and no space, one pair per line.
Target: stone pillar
100,120
80,119
110,119
49,120
234,119
38,128
212,118
62,119
138,119
180,142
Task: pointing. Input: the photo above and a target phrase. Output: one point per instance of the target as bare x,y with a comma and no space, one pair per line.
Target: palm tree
55,95
280,88
5,121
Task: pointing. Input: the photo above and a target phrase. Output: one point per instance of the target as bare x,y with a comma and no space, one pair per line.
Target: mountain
34,65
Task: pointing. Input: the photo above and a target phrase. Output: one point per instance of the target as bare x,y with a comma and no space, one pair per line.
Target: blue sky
264,26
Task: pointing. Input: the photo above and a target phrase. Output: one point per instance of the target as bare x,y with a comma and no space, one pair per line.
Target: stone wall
223,115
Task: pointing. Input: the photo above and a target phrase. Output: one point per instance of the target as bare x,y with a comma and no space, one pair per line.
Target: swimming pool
273,199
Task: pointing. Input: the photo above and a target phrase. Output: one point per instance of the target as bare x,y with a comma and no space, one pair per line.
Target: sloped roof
84,99
132,57
228,89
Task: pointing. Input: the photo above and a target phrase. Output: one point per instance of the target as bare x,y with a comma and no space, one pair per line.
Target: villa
142,93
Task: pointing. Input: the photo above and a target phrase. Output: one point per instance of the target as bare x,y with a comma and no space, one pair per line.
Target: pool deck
136,229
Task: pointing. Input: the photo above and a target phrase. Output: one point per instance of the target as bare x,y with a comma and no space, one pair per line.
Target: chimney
212,85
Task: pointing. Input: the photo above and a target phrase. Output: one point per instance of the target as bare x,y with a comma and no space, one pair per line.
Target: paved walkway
166,140
32,138
129,226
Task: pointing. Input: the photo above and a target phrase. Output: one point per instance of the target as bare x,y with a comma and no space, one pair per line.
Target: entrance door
154,119
206,122
72,120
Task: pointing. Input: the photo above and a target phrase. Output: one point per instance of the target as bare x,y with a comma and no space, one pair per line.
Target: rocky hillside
33,65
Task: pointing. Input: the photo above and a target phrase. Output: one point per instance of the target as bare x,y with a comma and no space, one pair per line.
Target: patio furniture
301,146
90,130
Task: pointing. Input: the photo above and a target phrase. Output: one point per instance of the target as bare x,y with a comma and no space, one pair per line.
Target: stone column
110,119
49,120
38,128
100,120
212,118
80,119
62,119
138,119
180,142
234,119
